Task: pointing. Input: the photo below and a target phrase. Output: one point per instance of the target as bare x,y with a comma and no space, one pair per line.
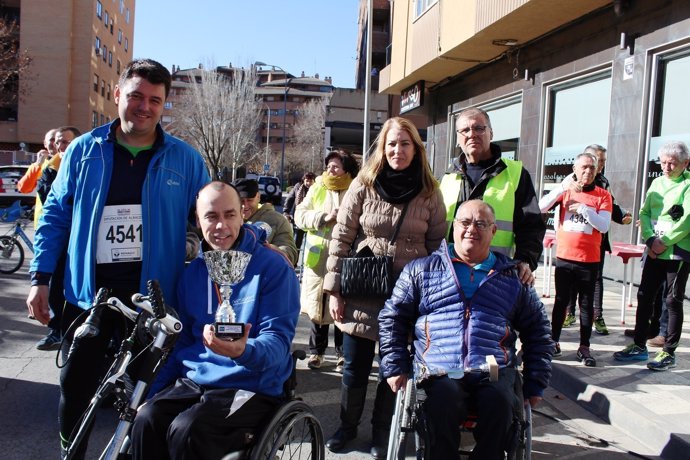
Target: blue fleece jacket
452,332
73,210
268,298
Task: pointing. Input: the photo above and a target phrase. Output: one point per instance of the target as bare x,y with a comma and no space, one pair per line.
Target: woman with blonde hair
395,186
316,216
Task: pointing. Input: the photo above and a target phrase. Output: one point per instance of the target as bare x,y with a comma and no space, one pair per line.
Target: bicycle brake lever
172,324
116,304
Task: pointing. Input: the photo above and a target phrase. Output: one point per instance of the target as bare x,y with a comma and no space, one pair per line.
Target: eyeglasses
479,129
480,225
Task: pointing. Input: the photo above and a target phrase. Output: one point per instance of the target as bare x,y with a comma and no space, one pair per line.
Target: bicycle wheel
11,255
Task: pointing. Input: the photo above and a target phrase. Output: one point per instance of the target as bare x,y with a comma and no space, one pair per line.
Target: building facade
78,49
555,76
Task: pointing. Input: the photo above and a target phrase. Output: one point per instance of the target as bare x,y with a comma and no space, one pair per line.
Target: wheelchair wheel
523,449
408,419
293,433
11,255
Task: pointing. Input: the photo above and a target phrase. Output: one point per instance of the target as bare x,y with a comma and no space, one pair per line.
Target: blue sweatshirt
268,298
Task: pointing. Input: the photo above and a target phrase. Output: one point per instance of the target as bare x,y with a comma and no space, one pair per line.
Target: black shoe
585,356
340,439
50,342
379,448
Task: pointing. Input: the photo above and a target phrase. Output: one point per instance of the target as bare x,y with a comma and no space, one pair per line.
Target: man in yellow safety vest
479,172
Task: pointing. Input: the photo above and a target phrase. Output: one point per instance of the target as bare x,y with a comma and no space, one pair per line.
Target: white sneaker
315,361
340,364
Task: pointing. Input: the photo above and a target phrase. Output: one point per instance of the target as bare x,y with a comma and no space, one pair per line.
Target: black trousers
318,339
85,367
598,292
449,401
654,273
187,421
580,276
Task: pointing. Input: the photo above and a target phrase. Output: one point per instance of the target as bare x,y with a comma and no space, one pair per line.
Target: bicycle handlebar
171,324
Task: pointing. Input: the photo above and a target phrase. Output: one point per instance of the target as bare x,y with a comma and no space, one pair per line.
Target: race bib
661,227
576,223
120,234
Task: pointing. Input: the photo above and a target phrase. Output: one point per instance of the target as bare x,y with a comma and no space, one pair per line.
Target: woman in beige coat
316,216
397,174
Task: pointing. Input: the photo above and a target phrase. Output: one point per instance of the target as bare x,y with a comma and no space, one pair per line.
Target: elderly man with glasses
585,215
461,304
479,172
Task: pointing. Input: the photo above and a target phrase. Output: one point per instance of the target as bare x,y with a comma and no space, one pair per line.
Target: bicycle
154,321
11,251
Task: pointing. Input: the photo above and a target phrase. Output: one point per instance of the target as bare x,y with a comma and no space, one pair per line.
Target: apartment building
78,48
555,76
282,95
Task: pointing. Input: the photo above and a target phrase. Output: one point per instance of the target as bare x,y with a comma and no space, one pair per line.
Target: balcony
435,46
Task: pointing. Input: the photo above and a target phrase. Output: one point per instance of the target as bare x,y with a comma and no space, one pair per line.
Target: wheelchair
410,420
293,432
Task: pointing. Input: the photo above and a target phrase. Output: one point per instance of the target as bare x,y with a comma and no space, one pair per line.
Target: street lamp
285,94
268,138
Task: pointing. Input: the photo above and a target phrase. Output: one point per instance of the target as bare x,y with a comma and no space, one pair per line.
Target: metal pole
367,86
268,134
282,153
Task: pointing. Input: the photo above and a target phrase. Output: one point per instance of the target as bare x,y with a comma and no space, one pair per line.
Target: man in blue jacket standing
218,388
462,304
120,205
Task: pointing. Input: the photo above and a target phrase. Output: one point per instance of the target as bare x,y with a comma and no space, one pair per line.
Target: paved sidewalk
652,407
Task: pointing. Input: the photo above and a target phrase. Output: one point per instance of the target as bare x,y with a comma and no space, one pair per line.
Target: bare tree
14,66
220,115
307,144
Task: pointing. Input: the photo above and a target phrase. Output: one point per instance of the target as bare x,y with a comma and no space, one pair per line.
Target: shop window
669,107
578,115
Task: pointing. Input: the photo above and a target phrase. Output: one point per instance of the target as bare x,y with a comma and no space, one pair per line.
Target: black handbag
367,275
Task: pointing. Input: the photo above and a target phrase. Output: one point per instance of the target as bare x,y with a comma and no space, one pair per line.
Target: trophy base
229,331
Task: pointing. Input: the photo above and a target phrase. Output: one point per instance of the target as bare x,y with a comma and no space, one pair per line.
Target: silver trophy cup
227,268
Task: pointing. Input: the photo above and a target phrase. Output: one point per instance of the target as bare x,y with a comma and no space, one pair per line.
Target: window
99,9
118,66
122,6
421,6
97,46
95,82
119,36
578,115
108,93
506,122
127,16
669,107
168,105
110,58
102,119
126,44
106,19
105,53
166,119
112,25
103,88
94,119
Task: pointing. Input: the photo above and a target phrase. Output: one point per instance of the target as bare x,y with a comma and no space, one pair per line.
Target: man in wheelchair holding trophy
225,375
464,305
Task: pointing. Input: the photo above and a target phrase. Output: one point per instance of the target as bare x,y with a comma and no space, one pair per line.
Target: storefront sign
412,97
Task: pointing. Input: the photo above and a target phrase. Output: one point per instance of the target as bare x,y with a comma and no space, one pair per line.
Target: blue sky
314,36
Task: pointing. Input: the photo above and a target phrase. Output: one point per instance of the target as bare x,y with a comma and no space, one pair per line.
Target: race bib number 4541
120,234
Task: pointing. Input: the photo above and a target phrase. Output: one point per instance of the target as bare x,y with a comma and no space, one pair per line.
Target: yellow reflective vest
500,194
315,241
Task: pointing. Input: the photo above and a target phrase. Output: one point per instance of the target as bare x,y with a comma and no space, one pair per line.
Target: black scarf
397,187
